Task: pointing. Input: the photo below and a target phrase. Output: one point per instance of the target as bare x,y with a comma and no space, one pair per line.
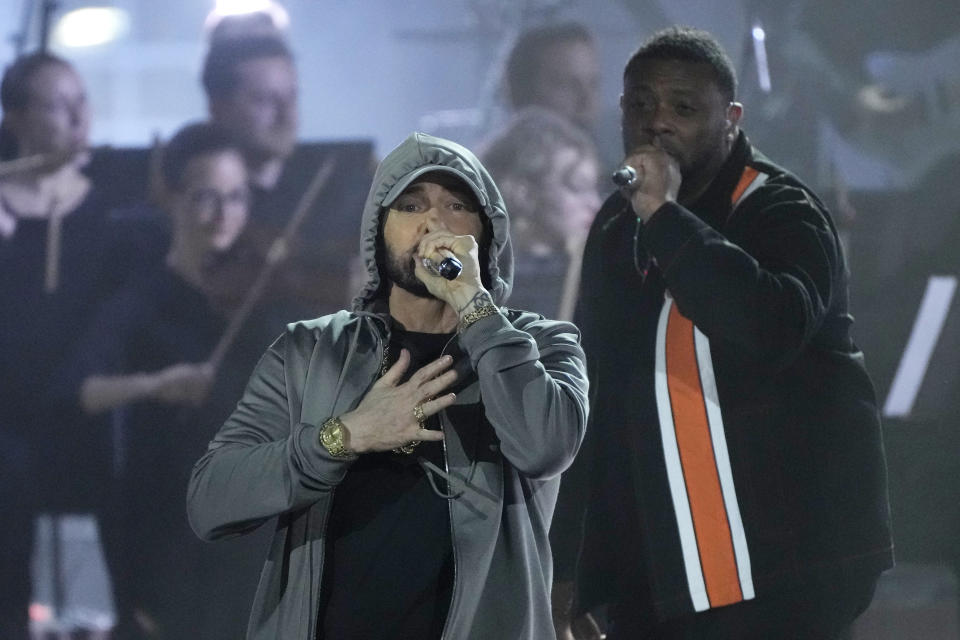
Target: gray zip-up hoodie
266,461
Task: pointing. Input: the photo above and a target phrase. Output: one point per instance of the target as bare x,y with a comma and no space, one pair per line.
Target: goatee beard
400,272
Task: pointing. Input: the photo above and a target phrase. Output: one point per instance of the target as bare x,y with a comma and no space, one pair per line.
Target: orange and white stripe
750,181
714,545
712,538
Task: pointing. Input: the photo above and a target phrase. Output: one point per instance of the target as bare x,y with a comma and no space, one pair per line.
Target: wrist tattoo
480,306
479,299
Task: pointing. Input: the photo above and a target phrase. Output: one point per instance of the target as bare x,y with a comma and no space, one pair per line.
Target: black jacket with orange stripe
768,468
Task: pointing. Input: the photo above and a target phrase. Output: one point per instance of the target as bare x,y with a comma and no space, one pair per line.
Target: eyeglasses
208,200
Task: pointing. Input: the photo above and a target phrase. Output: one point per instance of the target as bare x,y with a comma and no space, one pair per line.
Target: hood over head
419,154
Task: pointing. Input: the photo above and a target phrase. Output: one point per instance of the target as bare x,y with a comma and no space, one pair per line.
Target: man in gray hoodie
410,449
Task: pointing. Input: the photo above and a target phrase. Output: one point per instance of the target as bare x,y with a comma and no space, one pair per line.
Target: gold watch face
331,437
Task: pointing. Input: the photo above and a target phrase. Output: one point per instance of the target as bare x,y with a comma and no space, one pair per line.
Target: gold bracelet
331,437
473,316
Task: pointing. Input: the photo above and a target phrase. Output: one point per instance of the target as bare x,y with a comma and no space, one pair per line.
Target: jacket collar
713,206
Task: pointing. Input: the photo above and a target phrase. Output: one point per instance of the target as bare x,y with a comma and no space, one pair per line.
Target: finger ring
408,448
418,414
421,419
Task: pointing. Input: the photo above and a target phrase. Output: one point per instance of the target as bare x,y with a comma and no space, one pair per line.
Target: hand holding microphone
649,178
448,265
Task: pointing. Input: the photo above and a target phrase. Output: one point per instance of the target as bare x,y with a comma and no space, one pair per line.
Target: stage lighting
760,57
224,8
91,26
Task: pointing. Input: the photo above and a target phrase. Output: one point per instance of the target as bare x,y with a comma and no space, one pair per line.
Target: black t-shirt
388,569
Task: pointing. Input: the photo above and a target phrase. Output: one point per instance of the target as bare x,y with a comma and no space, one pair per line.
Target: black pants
819,609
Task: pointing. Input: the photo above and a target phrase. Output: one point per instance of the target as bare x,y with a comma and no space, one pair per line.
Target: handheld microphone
449,268
624,176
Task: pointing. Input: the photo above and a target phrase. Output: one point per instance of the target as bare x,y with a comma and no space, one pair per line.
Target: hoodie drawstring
458,486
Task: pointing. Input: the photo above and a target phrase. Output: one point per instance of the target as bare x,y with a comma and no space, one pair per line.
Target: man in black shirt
737,486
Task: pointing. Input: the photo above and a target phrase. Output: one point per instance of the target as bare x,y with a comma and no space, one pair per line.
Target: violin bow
278,252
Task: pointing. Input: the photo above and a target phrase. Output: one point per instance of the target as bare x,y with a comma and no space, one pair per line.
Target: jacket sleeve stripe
699,467
678,489
712,537
710,527
722,457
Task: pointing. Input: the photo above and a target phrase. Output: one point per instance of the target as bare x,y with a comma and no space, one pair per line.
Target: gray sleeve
533,386
261,463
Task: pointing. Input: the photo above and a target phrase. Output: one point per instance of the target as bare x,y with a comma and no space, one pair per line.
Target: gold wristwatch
331,437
